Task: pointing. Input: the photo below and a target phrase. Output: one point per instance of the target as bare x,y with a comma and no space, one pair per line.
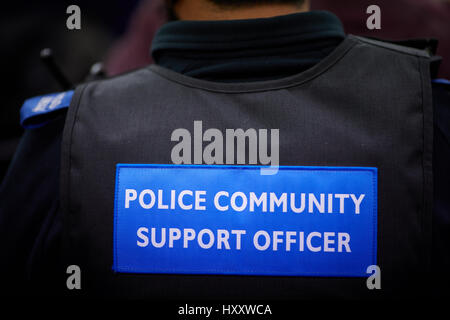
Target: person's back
165,189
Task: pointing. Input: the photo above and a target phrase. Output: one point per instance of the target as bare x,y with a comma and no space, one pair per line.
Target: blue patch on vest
303,221
37,111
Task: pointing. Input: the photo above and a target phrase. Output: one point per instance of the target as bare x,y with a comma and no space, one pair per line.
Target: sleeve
30,222
441,174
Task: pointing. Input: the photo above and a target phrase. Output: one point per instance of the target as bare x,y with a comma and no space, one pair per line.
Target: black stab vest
366,104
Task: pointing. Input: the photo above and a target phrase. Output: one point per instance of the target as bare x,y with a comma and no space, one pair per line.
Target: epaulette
38,111
442,82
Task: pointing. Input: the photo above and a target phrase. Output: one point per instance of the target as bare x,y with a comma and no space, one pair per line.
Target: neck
206,10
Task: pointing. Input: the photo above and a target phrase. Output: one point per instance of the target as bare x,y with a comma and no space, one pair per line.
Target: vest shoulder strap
395,47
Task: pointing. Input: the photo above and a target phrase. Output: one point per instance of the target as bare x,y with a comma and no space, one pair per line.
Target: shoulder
138,78
402,55
40,110
114,94
407,62
418,47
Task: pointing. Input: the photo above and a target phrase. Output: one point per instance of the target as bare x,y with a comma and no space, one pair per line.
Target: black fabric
247,50
327,116
30,219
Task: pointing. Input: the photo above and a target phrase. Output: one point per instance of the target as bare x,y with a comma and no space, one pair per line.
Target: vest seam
66,165
71,135
341,51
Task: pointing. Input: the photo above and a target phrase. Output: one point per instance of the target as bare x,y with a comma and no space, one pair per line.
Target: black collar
247,50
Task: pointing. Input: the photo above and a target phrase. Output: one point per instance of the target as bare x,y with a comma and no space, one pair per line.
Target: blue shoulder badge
444,82
38,111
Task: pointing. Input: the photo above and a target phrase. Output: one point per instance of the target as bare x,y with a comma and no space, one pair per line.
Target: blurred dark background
26,27
119,33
